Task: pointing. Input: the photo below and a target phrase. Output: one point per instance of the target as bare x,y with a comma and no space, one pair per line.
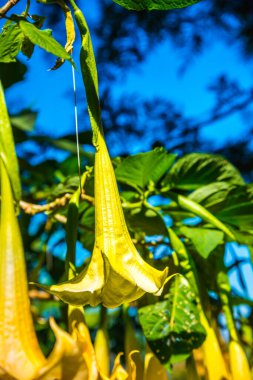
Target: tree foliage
135,244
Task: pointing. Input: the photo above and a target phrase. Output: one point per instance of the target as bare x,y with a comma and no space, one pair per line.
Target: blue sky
49,92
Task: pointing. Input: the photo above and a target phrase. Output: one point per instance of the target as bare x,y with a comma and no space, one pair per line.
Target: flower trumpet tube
20,354
132,344
153,369
214,362
239,365
116,272
102,350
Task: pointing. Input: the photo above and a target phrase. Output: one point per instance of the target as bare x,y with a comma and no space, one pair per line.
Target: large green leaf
140,5
7,147
44,39
24,120
11,40
205,240
213,195
231,204
172,327
198,169
144,169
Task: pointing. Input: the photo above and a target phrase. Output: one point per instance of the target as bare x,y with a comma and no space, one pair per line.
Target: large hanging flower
116,272
20,355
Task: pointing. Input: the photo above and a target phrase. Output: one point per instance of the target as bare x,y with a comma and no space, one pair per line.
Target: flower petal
20,354
66,361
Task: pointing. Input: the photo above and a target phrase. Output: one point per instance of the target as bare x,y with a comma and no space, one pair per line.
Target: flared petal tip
165,279
68,294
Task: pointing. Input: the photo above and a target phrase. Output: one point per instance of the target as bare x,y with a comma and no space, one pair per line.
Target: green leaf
69,185
24,120
231,204
213,195
140,5
7,148
204,240
172,327
43,39
144,169
11,40
197,169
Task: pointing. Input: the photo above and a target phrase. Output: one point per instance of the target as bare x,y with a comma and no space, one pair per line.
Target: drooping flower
20,354
116,272
153,369
239,364
73,355
212,354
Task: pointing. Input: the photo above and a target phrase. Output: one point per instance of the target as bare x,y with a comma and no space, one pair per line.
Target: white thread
76,125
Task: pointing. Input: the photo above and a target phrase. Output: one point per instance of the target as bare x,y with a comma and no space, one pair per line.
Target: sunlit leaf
139,5
204,240
144,169
172,327
199,169
25,120
69,25
231,204
11,40
44,39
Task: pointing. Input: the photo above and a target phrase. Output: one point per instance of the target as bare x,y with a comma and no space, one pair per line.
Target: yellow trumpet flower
73,356
102,351
213,359
20,354
153,369
240,369
116,272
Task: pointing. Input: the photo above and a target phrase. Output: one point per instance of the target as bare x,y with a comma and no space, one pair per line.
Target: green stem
103,316
89,74
188,269
27,8
189,205
224,292
72,227
75,314
186,263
